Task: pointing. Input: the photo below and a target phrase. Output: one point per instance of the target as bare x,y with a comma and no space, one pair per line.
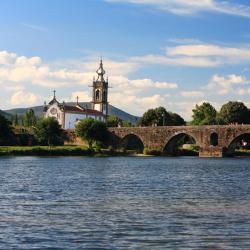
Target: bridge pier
211,151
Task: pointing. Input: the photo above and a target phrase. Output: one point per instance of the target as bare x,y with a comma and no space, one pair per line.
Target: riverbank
57,151
68,150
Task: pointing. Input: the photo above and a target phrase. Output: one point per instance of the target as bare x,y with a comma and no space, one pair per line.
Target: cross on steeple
54,94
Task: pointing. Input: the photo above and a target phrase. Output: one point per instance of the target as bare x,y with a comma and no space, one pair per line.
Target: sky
170,53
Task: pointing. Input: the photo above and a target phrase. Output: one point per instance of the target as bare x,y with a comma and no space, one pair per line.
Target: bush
152,151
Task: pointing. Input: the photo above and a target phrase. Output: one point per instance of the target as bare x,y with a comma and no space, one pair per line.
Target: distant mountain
112,111
6,115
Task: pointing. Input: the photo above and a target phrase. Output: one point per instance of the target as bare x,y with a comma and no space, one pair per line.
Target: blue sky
171,53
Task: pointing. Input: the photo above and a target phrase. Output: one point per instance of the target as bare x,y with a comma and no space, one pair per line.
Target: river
124,203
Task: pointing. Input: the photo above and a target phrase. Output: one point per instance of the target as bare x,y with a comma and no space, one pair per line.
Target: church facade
69,115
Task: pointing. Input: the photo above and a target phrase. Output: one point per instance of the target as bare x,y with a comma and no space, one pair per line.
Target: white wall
71,120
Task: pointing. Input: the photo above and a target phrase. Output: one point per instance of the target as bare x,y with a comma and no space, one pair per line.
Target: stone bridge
212,141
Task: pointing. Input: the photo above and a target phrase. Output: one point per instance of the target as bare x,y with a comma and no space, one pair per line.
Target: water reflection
124,203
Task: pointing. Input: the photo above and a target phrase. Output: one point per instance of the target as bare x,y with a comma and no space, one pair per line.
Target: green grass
58,151
45,151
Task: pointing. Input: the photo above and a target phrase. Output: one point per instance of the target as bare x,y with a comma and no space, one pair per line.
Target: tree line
204,114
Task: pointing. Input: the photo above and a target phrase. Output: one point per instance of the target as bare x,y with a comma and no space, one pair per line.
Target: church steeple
100,91
100,72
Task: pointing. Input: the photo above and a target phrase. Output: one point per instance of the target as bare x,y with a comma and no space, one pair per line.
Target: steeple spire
101,72
54,94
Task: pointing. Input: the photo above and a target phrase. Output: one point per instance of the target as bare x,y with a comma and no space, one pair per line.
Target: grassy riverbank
68,150
57,151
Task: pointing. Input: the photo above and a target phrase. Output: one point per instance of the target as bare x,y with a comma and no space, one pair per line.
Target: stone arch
171,143
132,142
238,140
214,139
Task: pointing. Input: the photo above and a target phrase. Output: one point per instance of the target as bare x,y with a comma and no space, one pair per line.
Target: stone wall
159,137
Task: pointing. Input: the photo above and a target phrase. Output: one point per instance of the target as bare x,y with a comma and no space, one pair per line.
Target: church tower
100,91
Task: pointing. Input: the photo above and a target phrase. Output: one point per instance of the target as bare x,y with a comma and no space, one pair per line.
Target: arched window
97,94
214,139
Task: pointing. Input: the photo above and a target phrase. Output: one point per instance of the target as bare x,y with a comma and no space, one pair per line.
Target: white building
69,115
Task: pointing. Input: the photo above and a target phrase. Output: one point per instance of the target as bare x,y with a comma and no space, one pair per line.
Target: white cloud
136,104
198,55
201,50
192,94
82,95
148,83
222,85
178,61
191,7
23,98
242,91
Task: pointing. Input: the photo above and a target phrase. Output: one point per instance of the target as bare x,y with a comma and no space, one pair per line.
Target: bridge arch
172,143
132,141
241,139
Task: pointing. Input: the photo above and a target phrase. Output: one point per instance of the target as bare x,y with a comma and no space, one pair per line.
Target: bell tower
100,91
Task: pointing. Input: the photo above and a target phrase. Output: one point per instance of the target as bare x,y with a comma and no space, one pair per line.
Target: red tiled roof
77,109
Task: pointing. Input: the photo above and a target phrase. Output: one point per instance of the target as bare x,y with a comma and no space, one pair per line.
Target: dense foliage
114,121
48,132
29,119
160,117
6,134
176,120
234,112
92,131
204,114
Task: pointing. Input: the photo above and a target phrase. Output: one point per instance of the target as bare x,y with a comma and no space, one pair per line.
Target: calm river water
124,203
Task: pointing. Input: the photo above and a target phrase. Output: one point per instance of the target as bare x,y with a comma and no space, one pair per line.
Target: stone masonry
163,137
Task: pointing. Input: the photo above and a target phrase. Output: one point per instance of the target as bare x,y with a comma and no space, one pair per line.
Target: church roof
79,109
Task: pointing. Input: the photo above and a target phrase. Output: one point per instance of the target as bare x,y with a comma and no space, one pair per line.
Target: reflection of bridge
213,141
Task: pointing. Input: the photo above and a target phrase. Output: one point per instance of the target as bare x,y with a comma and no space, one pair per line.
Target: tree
92,131
204,114
30,118
176,119
15,120
113,121
234,112
49,132
6,134
158,116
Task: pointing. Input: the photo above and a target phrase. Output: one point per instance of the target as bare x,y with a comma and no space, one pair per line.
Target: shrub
152,151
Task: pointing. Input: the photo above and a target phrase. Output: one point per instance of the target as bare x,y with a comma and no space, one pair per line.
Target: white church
69,115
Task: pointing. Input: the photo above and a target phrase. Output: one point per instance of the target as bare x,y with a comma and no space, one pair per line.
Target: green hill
6,115
112,111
